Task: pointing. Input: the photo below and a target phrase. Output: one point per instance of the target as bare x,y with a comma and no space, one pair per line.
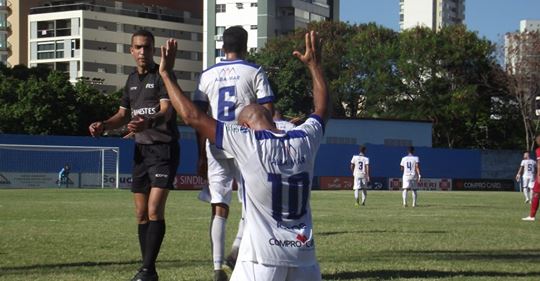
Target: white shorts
360,183
249,271
527,182
410,182
221,175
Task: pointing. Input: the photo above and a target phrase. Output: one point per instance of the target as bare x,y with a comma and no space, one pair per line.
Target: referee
148,113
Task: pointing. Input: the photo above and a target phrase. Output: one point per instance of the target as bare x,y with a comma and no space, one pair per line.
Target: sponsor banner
33,180
378,183
340,183
189,182
94,181
424,184
76,180
335,183
483,185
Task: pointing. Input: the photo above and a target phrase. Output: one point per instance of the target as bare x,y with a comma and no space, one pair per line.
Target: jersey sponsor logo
292,227
300,242
162,176
149,86
227,74
133,88
143,111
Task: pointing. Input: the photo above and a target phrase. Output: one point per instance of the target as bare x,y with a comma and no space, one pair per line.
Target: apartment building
91,39
434,14
262,19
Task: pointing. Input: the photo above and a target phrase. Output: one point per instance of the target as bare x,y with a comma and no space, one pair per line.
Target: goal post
34,166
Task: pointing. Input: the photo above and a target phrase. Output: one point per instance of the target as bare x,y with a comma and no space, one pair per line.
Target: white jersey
529,168
360,161
409,165
227,87
284,125
277,170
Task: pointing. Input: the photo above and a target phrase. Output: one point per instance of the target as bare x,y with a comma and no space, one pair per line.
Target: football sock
404,195
414,197
526,193
356,195
217,237
534,206
364,195
154,237
143,229
238,239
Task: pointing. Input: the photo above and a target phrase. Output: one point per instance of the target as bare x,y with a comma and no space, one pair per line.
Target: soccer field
48,234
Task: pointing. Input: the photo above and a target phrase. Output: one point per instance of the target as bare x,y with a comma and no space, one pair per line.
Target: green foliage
82,235
450,78
37,101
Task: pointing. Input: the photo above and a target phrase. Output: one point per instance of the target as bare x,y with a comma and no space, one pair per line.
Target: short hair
410,149
143,33
235,40
363,148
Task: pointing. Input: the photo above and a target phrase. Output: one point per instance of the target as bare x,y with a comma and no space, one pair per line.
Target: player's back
360,161
529,167
230,85
409,165
277,170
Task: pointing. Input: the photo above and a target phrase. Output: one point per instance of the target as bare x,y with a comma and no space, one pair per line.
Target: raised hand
312,54
168,55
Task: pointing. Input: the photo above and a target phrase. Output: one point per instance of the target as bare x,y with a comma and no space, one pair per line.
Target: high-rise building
262,19
434,14
521,48
91,39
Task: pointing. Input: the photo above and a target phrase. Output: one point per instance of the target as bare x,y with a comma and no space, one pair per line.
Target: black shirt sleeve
125,96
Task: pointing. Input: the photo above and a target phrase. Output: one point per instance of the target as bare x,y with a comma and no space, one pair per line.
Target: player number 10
298,189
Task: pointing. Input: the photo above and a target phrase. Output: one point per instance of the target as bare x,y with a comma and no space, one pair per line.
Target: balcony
5,6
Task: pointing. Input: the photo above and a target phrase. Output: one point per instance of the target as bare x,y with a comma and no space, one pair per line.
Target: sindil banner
435,184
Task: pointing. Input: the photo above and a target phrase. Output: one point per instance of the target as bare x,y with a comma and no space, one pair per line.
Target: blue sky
490,18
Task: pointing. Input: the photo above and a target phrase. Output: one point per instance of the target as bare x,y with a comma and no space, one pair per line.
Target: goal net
32,166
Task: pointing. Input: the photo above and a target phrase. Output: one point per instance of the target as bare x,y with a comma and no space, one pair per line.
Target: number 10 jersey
277,169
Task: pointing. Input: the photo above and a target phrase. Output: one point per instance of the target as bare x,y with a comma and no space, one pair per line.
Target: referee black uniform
156,148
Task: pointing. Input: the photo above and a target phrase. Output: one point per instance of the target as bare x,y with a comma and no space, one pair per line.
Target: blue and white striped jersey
277,170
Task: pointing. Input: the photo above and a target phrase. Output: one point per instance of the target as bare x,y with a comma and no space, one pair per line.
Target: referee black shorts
155,166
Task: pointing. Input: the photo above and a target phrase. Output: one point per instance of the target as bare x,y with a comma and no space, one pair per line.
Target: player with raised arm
360,169
277,167
410,166
526,173
147,111
536,188
226,88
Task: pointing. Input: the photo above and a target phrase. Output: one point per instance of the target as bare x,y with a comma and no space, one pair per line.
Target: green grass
50,234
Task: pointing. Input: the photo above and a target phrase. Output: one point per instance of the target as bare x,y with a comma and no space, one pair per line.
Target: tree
41,102
522,54
450,78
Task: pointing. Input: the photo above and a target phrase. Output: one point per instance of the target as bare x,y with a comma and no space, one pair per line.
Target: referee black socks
154,237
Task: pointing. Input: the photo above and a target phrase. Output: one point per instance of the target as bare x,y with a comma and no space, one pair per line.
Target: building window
220,30
221,8
253,27
239,5
253,4
220,53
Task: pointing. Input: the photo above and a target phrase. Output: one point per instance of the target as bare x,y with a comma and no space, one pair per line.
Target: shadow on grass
330,233
393,274
74,265
478,255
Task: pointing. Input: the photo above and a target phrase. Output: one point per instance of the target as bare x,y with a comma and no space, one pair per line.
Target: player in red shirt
536,188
